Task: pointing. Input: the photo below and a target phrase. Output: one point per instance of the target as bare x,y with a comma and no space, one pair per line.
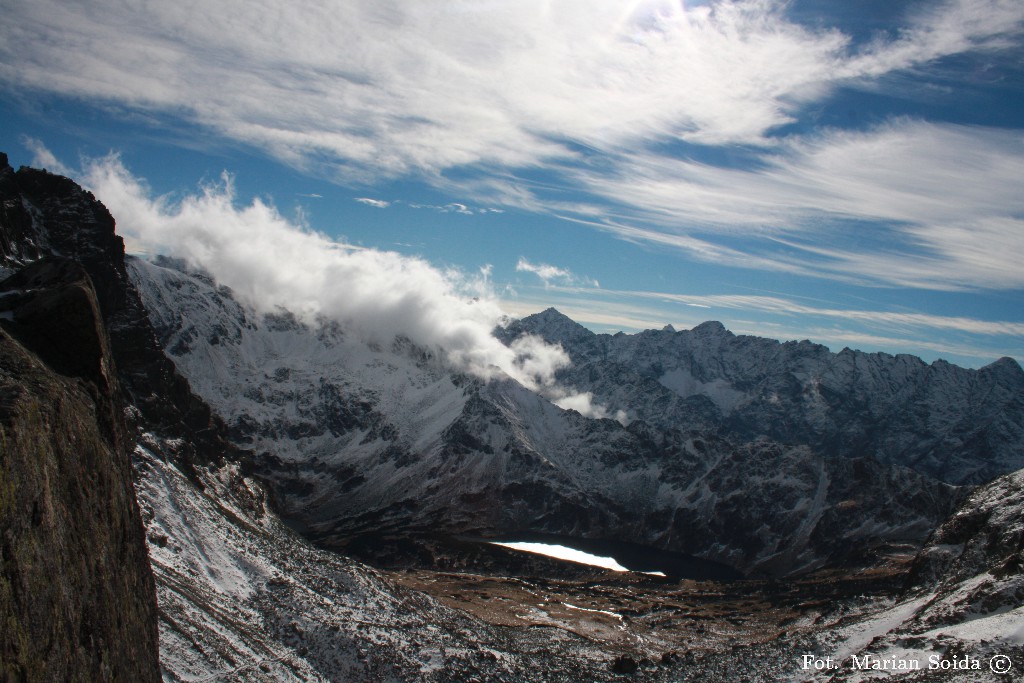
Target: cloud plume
270,262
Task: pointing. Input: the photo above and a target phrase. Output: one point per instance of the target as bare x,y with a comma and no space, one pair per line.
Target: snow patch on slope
721,393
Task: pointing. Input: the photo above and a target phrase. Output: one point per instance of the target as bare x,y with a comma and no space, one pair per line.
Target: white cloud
377,203
270,262
502,88
940,29
42,157
548,273
544,271
451,207
455,207
364,87
583,403
891,319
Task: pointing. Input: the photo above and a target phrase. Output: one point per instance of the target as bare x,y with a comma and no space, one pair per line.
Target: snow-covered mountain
360,439
958,425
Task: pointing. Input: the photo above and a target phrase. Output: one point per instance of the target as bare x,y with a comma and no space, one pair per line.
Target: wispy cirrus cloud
550,274
600,94
909,203
892,319
424,87
376,203
450,207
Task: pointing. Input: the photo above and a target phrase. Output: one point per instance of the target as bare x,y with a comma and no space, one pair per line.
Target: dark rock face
77,597
84,324
55,305
42,214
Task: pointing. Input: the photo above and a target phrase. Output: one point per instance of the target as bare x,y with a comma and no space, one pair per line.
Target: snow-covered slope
242,597
359,438
965,606
959,425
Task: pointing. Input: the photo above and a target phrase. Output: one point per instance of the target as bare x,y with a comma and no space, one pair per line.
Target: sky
849,173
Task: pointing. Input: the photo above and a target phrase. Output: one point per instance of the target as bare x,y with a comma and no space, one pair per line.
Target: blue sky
848,173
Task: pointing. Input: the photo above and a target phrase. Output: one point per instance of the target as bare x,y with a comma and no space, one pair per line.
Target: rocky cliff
43,214
77,598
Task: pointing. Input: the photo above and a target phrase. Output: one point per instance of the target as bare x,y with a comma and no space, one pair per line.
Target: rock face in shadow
42,215
77,597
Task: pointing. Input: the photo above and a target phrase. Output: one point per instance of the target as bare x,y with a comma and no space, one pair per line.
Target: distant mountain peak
551,324
711,327
551,313
1005,366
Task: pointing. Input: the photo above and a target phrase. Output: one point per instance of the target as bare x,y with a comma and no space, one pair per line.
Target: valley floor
650,619
243,598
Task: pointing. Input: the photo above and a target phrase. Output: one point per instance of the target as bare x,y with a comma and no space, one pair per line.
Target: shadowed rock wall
77,597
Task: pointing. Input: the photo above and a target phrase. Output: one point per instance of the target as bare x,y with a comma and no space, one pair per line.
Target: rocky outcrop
77,597
986,534
83,319
43,214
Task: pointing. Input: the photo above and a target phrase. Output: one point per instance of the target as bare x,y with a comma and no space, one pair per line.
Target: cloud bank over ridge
271,263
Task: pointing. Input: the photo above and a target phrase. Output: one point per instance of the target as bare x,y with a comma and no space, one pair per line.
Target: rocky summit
306,505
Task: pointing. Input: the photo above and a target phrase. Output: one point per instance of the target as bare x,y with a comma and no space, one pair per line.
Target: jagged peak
668,328
1005,365
551,313
711,327
553,324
